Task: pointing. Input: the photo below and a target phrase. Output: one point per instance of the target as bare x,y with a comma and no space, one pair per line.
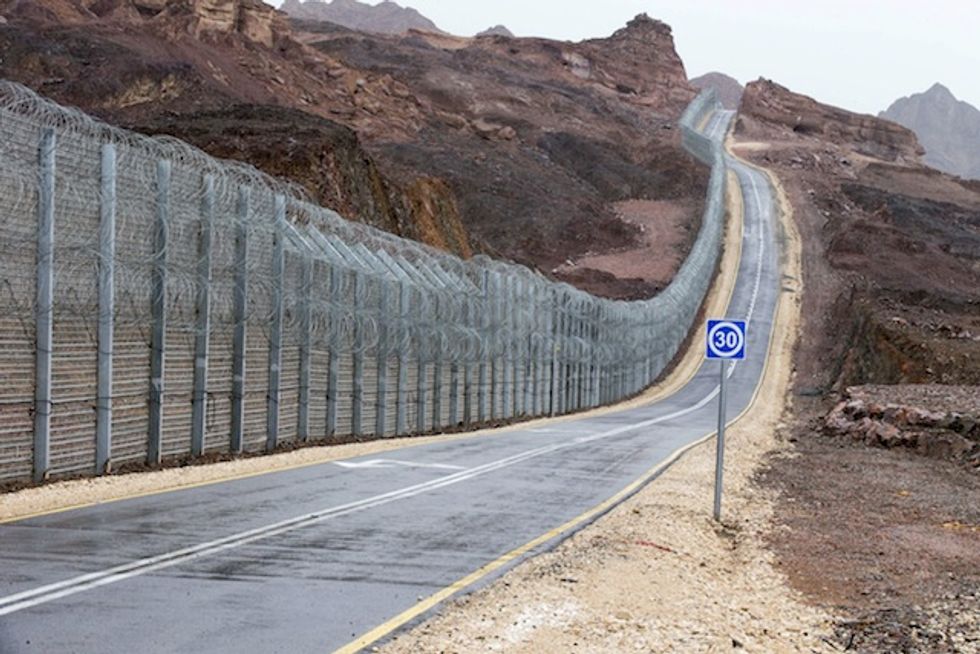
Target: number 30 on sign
726,339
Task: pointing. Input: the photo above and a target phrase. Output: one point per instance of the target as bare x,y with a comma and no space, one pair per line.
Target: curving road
313,558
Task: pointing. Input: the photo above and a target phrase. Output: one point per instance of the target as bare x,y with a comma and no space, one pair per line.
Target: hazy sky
857,54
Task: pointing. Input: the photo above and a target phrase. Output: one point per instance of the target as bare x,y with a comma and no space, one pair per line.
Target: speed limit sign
726,339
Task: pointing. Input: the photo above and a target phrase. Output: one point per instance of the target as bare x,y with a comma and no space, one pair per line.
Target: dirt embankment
882,528
667,231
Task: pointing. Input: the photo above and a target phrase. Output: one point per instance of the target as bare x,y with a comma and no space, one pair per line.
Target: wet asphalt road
306,560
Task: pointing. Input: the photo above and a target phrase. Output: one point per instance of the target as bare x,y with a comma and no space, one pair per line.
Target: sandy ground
666,237
657,574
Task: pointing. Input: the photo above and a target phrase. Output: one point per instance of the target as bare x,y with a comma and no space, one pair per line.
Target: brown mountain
385,18
948,128
728,88
524,149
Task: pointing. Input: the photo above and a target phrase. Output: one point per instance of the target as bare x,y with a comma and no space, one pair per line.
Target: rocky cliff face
728,88
253,19
948,128
643,60
386,18
776,105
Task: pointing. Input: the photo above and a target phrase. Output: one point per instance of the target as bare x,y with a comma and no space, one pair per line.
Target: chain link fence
159,303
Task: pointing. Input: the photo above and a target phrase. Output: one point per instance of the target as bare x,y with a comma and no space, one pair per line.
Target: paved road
305,560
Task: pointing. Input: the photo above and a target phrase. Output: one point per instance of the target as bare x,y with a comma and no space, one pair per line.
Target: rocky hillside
892,247
948,128
521,148
386,18
542,138
869,136
728,88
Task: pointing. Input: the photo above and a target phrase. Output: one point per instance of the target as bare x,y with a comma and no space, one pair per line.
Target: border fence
156,302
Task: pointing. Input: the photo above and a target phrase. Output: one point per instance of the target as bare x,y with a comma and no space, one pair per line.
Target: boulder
253,19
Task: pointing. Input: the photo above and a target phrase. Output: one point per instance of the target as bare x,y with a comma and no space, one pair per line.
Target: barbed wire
345,286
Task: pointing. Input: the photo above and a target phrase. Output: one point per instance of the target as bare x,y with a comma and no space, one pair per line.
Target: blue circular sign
726,339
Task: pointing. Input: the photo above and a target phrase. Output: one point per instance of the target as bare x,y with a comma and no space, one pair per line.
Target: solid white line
374,464
50,592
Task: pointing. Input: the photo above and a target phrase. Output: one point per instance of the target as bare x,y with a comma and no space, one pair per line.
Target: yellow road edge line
433,600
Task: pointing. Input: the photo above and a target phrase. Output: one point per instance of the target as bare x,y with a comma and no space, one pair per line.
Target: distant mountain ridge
948,128
497,30
728,88
385,18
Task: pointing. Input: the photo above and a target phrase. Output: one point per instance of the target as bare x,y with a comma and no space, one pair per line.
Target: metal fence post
485,350
470,323
203,328
158,301
422,350
401,406
720,442
571,365
540,354
583,377
599,355
437,365
240,317
454,384
357,383
494,337
595,372
333,351
525,334
585,342
507,331
575,334
533,364
305,348
563,352
275,328
44,316
565,390
554,328
380,425
107,262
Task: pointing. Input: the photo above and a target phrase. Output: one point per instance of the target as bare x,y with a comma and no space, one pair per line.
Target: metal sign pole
720,451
